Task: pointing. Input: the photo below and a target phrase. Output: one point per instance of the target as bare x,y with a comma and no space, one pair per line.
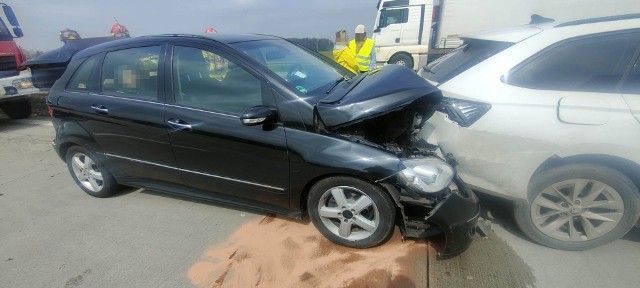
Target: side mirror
10,15
18,32
258,115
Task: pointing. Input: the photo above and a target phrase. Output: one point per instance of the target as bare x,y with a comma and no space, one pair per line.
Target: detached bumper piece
455,213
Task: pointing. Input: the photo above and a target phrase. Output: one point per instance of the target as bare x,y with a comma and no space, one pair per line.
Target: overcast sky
41,20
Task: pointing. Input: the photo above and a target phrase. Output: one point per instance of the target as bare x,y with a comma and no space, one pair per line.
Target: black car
261,122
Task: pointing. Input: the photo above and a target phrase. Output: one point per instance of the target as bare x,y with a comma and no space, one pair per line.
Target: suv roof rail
600,19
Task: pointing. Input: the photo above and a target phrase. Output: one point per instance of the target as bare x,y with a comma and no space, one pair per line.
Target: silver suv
548,115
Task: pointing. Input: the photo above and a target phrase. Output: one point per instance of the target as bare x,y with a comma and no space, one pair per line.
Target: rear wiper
344,78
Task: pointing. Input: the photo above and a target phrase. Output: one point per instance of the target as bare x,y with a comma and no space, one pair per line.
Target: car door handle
179,124
100,109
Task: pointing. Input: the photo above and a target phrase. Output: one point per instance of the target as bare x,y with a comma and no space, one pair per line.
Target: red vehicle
15,81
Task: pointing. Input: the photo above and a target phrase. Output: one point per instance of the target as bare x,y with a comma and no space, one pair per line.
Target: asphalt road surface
54,235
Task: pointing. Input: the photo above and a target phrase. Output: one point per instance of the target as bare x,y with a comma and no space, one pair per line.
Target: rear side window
82,80
593,64
132,73
472,52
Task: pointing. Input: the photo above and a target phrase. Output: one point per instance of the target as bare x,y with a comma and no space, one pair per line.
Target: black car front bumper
456,215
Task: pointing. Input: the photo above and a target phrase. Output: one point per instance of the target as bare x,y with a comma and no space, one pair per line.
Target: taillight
50,111
463,112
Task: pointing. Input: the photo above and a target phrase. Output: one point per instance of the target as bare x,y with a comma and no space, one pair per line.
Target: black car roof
219,37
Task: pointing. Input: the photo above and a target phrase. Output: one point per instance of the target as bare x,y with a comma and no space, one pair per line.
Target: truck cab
402,32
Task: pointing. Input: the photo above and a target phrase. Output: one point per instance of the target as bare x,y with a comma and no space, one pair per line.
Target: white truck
407,31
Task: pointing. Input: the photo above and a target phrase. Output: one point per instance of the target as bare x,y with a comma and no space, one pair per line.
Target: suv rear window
472,52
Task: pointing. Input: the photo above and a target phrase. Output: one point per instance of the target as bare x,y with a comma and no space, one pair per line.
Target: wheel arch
627,167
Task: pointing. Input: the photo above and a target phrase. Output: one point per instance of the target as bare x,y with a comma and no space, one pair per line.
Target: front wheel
89,174
402,60
578,207
351,212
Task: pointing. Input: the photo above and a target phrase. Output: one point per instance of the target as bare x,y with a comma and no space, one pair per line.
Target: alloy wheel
577,210
87,172
348,213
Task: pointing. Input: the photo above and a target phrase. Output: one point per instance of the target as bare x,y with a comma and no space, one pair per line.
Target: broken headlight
426,174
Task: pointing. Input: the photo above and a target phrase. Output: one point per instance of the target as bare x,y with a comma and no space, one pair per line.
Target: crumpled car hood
380,92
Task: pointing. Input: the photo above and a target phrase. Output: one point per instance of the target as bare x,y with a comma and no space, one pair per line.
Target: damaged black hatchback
261,122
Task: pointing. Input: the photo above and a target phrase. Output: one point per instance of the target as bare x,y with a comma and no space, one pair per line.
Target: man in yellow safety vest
363,48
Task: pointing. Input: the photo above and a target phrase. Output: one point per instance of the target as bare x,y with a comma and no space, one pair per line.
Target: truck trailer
412,32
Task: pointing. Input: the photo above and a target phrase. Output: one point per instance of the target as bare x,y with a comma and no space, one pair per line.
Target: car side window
206,80
132,73
632,83
82,80
593,64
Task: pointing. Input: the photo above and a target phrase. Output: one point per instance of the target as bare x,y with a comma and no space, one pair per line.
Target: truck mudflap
457,217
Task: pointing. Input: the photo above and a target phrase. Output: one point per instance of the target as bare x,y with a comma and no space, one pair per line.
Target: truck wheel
17,109
90,175
578,207
351,212
402,60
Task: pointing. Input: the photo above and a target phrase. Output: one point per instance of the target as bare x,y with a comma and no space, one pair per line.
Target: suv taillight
50,111
463,112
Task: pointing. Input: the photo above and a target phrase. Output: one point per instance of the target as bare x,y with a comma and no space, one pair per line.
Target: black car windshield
307,73
472,52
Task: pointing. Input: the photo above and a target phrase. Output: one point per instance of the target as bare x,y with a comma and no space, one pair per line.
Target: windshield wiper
344,78
428,69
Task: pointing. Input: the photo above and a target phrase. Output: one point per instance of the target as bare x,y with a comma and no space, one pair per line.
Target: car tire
402,60
605,208
364,217
90,175
17,109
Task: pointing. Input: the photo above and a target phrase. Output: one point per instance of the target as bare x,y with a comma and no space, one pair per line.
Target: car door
125,115
215,152
390,24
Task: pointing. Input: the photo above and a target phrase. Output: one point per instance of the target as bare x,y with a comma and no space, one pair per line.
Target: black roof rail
600,19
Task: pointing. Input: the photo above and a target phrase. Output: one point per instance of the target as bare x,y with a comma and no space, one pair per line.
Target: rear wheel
89,174
17,109
402,60
578,207
351,212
